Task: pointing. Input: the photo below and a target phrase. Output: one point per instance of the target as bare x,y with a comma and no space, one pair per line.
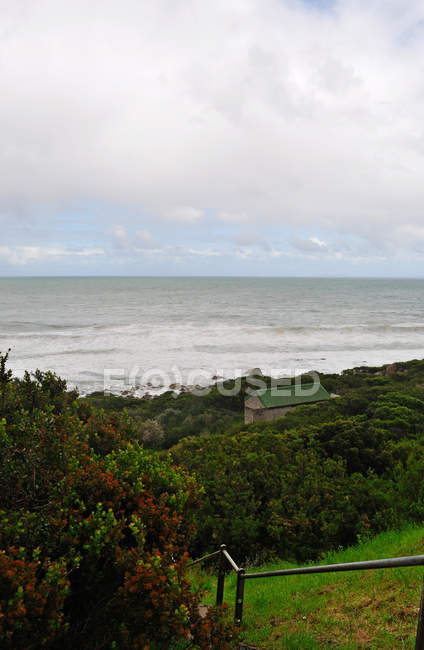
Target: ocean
147,333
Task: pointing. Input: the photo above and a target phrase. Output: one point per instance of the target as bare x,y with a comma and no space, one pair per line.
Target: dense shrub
177,416
93,530
362,452
320,476
279,494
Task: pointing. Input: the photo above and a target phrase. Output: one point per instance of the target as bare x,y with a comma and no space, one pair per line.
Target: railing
388,563
225,558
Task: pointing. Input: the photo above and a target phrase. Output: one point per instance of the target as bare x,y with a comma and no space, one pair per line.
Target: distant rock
253,372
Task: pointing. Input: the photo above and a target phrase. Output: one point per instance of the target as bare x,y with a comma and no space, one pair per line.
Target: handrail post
238,611
419,639
221,576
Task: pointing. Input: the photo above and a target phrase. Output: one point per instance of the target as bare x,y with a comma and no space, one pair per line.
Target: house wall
265,415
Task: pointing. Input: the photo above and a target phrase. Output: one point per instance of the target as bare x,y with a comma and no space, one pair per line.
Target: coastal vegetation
94,530
104,498
319,478
166,419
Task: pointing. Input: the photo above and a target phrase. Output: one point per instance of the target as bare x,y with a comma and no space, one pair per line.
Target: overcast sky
234,137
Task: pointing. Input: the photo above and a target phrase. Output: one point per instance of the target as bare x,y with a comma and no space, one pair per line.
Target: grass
360,609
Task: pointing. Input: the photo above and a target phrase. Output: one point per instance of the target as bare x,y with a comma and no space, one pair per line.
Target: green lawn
362,609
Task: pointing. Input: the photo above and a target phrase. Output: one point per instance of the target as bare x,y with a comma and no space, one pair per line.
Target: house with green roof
273,403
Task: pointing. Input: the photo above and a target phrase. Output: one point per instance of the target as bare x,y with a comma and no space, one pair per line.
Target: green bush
93,530
279,494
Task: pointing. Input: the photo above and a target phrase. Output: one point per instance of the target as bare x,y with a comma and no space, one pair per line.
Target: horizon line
286,277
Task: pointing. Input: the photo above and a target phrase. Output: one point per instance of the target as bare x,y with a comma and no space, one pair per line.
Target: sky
234,137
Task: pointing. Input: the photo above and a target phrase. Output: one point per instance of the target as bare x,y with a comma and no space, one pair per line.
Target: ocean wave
233,348
40,335
61,353
37,326
91,373
383,327
212,328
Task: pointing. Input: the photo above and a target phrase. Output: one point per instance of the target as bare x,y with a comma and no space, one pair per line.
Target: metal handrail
204,558
225,557
387,563
230,560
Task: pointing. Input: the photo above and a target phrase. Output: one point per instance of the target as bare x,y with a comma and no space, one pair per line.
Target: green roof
280,396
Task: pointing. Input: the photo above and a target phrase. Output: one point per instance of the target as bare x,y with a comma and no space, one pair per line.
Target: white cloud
310,245
144,243
217,113
411,233
318,242
179,252
184,214
24,254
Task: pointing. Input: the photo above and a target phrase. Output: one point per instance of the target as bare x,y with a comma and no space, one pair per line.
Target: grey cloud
251,239
187,110
120,237
183,214
144,239
144,243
